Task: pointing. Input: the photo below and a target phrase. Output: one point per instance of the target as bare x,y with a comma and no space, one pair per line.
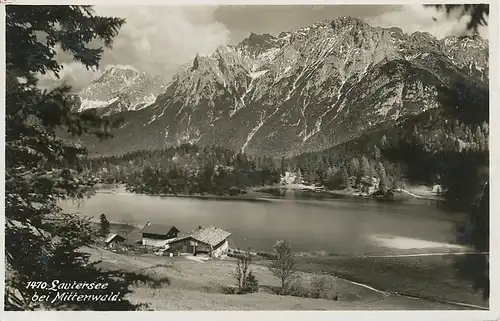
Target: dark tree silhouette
41,242
479,13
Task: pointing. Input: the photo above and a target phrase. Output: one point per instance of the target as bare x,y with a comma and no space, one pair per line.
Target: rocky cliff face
120,89
304,90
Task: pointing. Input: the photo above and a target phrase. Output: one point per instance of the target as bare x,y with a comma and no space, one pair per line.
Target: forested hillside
187,169
424,149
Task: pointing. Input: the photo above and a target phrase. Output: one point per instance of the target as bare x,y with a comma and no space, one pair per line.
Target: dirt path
191,282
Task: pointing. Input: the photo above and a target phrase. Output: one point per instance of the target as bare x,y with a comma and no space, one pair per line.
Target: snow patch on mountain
90,104
252,132
121,88
257,74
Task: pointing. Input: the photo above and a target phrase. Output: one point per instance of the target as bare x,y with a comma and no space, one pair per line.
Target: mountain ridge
120,89
313,88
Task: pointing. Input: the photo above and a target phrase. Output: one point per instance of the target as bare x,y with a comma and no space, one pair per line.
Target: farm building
158,235
112,240
211,240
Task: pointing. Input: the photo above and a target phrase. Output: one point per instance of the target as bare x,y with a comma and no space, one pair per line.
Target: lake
310,223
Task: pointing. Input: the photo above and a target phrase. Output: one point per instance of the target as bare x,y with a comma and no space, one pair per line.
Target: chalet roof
113,236
157,229
209,235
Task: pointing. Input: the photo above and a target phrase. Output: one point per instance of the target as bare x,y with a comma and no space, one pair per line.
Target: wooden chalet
113,239
211,241
158,235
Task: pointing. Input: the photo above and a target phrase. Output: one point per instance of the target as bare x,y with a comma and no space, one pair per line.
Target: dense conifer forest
186,169
426,149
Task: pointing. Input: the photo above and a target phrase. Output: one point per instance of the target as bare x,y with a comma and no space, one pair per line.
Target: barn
211,241
158,235
112,240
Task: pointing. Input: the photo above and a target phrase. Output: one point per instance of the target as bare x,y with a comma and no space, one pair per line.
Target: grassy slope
194,287
427,276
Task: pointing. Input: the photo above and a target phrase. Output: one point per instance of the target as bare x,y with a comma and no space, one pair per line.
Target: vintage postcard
231,157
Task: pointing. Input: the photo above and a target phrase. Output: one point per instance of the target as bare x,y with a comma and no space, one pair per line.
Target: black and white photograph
231,157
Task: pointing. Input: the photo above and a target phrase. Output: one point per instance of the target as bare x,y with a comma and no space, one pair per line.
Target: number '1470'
36,285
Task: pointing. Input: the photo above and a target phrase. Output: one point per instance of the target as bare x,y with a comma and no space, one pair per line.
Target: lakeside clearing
420,272
195,286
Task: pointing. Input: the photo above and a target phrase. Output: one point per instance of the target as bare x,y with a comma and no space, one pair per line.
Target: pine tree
283,165
382,175
354,167
104,225
365,169
41,168
380,169
480,138
345,178
251,283
376,153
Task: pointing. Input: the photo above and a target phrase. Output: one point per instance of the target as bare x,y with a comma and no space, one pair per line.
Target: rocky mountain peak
196,63
117,73
256,44
317,86
262,40
121,88
346,22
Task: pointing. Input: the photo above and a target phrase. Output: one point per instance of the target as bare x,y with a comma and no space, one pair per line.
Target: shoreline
249,196
257,193
345,192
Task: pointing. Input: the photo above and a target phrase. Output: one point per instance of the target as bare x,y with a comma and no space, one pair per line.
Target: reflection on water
298,194
309,221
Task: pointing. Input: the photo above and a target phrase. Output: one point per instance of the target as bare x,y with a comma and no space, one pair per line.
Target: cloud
412,18
73,74
155,40
158,40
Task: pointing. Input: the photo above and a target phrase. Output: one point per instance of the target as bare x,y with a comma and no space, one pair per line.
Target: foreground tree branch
42,242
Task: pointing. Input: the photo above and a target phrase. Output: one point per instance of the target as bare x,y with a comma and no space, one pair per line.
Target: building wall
172,234
157,240
189,246
153,242
221,249
181,246
115,245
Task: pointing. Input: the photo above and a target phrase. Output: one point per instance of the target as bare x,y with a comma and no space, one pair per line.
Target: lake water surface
328,224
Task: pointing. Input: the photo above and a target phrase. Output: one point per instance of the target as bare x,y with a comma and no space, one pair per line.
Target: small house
112,240
158,235
288,178
211,241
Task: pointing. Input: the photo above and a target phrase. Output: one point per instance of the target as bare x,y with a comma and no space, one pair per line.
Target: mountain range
119,89
301,91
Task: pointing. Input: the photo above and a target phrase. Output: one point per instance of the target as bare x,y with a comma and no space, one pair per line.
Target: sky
158,40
